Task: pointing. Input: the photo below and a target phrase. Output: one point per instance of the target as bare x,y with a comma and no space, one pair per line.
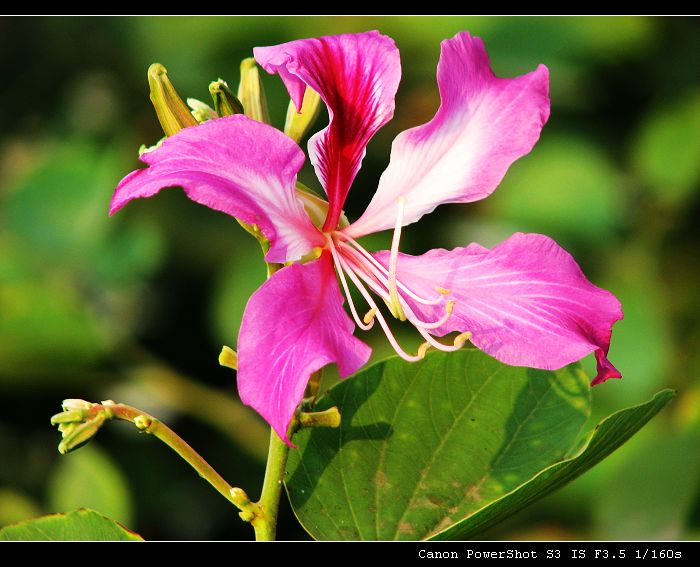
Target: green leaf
447,447
235,284
610,434
655,495
665,152
567,187
424,445
45,325
90,479
81,525
67,194
643,342
15,506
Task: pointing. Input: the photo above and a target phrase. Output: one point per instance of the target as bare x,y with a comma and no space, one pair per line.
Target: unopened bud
72,416
251,92
143,422
328,418
144,149
228,358
201,111
74,411
66,428
298,123
79,434
76,404
225,102
172,112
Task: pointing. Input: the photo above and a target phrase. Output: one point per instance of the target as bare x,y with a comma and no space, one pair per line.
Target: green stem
161,431
187,395
264,515
265,524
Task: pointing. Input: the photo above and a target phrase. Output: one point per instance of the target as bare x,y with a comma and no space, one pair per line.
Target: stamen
423,349
375,287
416,322
461,339
338,266
438,345
380,272
397,310
368,278
369,316
442,290
361,270
378,314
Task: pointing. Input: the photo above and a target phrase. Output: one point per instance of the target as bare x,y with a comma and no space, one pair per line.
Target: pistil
395,305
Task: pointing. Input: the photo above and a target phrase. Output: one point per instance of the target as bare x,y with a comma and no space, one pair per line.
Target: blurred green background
135,308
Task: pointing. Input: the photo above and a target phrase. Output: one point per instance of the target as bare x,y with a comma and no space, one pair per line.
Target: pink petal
484,124
236,165
357,76
526,301
294,325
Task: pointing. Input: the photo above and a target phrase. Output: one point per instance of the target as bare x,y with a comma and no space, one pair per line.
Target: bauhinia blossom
524,302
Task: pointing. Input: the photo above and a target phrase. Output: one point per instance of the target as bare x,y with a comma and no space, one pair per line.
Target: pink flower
525,302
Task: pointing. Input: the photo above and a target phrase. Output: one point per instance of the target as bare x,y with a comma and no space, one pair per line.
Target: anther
228,358
369,316
423,349
450,306
442,290
461,339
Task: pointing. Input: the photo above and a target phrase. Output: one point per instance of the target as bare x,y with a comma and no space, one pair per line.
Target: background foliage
136,307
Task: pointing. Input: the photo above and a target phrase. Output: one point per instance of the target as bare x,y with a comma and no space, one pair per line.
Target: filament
365,271
393,260
381,273
378,314
338,266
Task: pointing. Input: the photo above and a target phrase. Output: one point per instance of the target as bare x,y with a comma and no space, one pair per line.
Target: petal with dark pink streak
357,76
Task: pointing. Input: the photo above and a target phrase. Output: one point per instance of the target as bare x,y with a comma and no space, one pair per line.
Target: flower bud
144,149
225,102
72,416
172,112
297,124
80,433
76,404
251,92
201,111
228,358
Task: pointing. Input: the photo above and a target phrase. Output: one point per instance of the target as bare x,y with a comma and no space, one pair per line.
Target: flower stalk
80,421
89,418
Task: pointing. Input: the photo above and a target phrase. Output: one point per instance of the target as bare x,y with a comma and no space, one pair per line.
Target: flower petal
235,165
526,301
357,76
294,325
484,124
